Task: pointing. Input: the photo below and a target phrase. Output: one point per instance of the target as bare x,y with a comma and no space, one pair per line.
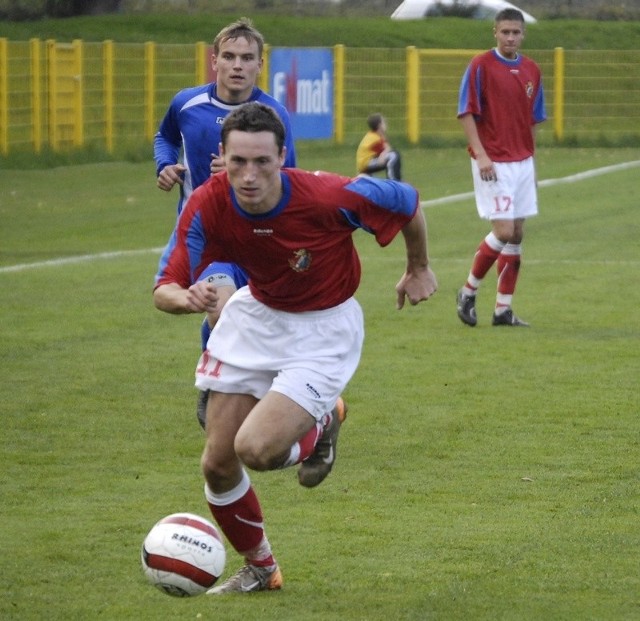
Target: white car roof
417,9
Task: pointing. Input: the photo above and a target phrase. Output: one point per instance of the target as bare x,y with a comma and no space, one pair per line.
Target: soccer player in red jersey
287,344
501,101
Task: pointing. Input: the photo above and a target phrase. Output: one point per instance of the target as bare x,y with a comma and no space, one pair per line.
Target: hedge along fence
112,96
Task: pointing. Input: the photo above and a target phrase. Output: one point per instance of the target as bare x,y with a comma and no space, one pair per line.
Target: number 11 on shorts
208,366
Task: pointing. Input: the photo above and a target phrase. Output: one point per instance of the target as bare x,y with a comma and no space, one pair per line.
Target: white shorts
309,357
512,196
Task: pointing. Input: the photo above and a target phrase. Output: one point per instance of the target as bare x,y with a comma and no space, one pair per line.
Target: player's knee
252,451
215,469
504,231
256,453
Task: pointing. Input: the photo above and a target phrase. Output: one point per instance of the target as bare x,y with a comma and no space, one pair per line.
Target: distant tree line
17,10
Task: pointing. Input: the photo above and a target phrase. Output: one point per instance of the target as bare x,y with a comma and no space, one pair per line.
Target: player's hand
487,169
170,175
224,292
416,287
202,297
217,163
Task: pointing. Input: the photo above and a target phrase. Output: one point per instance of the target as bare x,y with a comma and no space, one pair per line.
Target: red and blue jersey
506,98
193,124
300,256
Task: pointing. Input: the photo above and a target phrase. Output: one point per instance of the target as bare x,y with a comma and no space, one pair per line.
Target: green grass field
483,473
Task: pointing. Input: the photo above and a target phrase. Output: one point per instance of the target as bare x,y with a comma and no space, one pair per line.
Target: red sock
508,269
305,446
308,442
242,524
486,255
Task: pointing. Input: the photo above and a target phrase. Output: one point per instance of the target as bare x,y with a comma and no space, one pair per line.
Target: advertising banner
302,81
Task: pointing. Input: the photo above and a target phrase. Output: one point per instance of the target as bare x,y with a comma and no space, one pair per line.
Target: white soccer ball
183,555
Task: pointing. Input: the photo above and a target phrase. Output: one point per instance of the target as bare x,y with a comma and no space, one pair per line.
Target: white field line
587,174
83,258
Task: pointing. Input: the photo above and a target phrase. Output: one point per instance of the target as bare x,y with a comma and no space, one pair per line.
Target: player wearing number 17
286,345
501,102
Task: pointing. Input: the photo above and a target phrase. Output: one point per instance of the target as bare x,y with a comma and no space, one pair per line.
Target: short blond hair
242,28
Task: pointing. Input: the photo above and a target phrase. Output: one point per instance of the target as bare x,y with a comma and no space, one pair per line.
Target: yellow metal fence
112,95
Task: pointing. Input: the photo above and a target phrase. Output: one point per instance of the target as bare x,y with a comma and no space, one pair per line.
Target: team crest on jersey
529,89
301,261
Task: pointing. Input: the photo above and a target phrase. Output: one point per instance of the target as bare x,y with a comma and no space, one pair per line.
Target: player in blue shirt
192,123
191,130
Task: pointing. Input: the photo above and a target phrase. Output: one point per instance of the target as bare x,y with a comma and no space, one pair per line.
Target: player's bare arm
170,175
487,170
224,292
418,283
198,298
534,135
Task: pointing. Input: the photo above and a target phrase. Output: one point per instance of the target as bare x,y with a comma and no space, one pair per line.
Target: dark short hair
240,29
254,117
509,15
373,121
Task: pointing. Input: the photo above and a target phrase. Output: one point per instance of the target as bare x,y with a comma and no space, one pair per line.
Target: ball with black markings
183,555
